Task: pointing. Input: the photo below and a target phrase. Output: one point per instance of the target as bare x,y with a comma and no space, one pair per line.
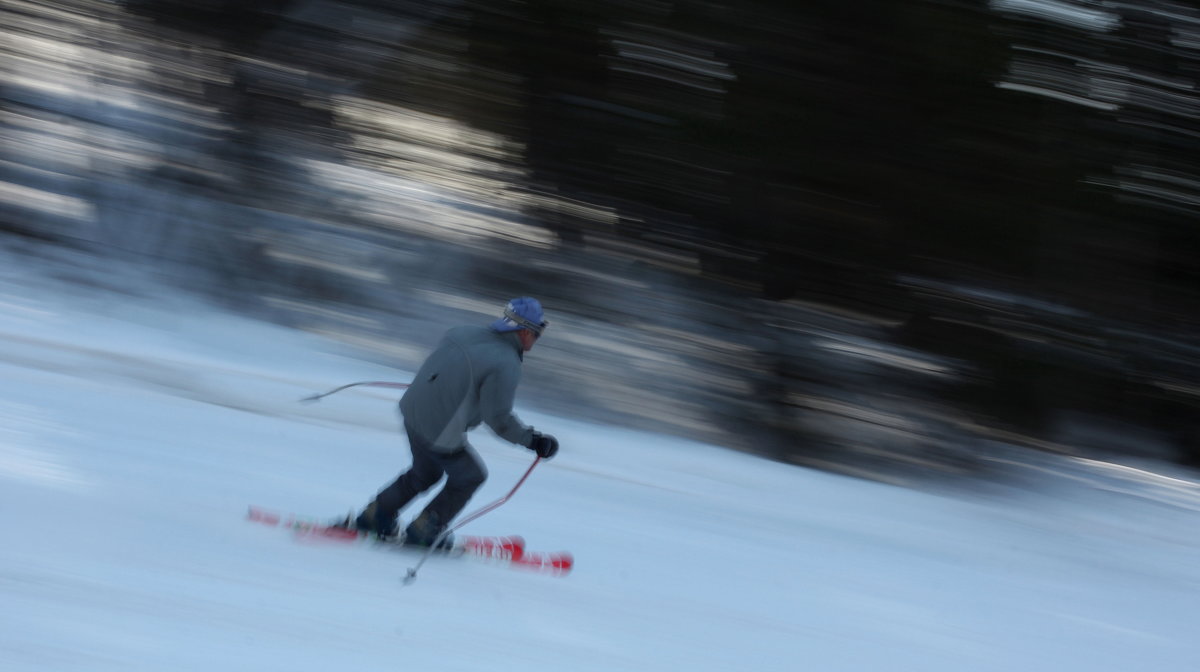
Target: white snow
134,435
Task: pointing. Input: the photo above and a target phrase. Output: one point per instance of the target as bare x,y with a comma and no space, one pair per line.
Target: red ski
509,550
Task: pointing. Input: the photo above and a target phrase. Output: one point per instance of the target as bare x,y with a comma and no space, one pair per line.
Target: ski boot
377,523
424,531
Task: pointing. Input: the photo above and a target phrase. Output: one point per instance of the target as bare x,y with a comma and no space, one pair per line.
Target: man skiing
471,377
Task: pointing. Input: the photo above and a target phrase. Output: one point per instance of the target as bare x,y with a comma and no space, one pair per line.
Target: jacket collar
512,339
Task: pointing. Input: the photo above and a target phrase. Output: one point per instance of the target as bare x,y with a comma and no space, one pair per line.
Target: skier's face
528,338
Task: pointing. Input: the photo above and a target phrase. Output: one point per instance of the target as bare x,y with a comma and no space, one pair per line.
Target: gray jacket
471,377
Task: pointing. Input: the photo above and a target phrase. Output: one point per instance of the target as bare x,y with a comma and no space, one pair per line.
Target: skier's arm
496,396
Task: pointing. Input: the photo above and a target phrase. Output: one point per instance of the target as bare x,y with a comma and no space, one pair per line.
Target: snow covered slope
134,436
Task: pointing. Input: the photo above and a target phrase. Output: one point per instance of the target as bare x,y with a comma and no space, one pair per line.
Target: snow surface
133,436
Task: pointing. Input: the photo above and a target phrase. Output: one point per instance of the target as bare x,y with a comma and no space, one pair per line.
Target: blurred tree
812,151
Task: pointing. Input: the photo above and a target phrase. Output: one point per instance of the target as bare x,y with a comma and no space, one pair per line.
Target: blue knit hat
522,313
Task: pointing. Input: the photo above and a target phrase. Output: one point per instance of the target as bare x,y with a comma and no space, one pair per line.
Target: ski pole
412,571
368,383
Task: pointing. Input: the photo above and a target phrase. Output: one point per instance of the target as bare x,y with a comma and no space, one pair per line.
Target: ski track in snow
131,444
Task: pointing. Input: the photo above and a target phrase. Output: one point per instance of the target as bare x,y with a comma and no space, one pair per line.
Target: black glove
544,445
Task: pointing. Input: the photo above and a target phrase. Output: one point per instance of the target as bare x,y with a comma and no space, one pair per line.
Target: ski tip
553,564
263,516
562,564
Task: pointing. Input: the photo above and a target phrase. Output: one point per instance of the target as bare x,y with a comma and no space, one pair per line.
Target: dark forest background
882,236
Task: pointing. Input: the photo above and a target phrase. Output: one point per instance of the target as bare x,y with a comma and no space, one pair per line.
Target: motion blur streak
893,238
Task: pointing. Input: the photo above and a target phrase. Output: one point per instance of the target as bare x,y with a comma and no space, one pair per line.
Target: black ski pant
464,473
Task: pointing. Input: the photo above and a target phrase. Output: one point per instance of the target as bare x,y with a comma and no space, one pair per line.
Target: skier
471,377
